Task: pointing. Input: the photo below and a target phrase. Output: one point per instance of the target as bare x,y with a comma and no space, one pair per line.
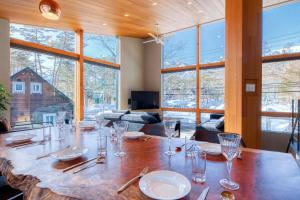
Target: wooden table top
261,174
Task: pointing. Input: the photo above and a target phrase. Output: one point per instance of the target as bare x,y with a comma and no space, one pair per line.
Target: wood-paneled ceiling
90,15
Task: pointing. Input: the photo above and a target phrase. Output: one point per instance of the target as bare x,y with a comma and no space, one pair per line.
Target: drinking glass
60,123
199,165
189,145
102,144
170,131
47,132
100,121
230,147
120,128
113,135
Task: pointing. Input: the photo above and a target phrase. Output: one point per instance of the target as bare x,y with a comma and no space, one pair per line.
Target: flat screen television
144,100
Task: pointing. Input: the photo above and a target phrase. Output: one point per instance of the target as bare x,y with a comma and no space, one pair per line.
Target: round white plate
165,185
69,153
211,148
133,135
20,138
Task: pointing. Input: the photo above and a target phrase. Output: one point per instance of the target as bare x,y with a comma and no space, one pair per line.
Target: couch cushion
208,126
220,123
112,116
140,118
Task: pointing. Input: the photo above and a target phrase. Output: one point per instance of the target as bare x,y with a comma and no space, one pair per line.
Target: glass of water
199,166
102,144
189,145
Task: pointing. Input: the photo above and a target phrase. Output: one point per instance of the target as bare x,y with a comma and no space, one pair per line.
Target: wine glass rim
229,135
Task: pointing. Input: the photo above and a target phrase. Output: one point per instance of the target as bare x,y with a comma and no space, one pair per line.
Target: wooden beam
42,48
281,57
243,66
278,114
198,86
179,109
212,65
212,111
79,105
178,69
101,62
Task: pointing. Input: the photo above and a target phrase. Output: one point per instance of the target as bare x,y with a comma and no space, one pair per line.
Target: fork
126,185
100,159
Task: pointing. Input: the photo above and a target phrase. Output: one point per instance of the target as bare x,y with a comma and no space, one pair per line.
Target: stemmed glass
100,122
230,144
120,127
170,131
60,122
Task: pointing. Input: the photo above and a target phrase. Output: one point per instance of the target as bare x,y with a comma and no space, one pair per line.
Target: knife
203,194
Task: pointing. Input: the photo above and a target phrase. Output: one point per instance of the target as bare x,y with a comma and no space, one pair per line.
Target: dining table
261,174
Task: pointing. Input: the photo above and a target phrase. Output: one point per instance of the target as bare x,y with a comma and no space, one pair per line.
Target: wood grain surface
261,174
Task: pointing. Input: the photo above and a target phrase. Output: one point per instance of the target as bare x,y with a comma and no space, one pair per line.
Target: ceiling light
154,3
189,3
104,24
50,9
126,15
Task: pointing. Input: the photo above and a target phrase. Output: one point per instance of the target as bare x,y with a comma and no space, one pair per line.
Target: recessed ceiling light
104,24
189,3
126,15
154,3
200,11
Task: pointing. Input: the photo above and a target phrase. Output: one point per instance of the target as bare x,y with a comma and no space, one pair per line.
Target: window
35,88
179,89
280,85
212,88
55,74
101,47
18,87
212,42
49,118
276,124
59,39
180,49
281,30
100,89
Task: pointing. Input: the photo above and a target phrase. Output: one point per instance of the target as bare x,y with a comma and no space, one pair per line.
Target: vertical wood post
79,100
198,87
243,68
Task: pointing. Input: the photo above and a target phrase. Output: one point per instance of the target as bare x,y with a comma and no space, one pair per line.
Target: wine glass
170,131
230,144
100,122
120,127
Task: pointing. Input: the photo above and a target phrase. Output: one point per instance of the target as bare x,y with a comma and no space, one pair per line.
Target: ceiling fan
156,37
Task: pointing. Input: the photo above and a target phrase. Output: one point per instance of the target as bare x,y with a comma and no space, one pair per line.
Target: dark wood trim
277,114
79,77
42,48
213,65
179,109
101,62
281,57
212,111
178,69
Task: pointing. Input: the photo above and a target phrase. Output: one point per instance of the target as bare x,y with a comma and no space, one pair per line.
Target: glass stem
120,144
169,144
229,165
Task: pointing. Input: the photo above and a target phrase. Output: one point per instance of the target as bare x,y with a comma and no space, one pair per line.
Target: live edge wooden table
261,174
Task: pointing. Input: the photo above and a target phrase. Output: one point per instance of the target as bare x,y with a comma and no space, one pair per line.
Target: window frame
32,88
14,87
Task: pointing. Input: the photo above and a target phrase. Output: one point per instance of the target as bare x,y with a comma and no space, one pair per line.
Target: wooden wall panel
243,64
79,109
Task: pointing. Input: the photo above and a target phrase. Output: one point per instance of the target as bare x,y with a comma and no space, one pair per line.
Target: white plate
165,185
69,153
133,135
20,138
211,148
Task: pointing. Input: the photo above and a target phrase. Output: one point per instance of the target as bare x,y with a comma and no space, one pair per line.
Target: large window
100,89
212,88
281,29
179,89
212,42
180,48
101,47
47,85
281,84
59,39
